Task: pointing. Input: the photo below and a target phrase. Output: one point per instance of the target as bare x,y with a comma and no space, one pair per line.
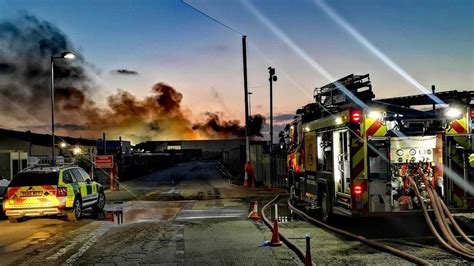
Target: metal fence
280,170
270,168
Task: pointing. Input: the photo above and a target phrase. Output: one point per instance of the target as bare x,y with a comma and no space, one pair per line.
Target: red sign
104,161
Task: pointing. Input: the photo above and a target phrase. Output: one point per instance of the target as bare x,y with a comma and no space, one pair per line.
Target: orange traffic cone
275,237
307,259
254,213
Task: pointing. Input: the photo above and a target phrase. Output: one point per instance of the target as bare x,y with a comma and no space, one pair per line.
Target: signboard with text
104,161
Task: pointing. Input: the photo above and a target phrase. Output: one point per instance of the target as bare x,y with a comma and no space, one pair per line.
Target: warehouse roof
44,139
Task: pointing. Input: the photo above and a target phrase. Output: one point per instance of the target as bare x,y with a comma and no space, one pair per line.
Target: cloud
283,117
124,72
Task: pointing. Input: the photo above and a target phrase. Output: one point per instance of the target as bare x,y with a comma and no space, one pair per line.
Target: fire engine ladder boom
332,97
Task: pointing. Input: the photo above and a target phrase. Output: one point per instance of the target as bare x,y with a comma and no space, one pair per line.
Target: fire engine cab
349,154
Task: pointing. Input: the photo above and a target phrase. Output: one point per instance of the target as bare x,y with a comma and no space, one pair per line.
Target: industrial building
17,147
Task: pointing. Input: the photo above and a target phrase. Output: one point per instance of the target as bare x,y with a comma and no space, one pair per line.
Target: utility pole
250,103
246,91
104,143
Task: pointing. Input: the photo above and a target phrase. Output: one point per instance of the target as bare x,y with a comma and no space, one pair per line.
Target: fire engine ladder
334,99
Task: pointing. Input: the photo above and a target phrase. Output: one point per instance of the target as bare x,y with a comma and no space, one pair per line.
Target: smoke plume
26,45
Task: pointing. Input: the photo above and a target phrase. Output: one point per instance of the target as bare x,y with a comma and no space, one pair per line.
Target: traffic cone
307,259
275,237
254,213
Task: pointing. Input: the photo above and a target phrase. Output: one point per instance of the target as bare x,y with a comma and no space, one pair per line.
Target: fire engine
349,154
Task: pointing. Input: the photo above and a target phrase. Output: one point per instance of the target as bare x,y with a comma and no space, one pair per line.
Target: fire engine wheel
324,207
293,193
14,220
76,212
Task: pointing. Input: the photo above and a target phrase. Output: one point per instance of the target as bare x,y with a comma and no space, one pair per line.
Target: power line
222,23
260,86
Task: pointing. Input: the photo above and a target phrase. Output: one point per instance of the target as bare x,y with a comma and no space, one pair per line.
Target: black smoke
26,46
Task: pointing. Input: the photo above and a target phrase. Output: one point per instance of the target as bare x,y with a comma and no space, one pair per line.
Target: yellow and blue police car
52,190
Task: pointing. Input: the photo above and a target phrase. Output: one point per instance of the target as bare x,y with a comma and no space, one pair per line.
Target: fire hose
300,253
371,243
442,213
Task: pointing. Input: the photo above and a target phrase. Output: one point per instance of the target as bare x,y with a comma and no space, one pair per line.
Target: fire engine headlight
375,114
453,112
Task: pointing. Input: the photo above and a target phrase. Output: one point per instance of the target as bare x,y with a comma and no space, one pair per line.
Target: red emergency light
356,116
472,114
61,192
358,190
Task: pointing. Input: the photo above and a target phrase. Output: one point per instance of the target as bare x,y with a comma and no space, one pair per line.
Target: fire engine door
342,175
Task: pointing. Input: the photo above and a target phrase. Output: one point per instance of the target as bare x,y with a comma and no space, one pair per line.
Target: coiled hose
442,213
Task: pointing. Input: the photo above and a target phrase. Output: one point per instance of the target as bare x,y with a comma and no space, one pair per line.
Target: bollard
111,177
307,260
276,212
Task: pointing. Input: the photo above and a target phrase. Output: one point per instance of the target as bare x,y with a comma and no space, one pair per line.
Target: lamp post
64,55
272,78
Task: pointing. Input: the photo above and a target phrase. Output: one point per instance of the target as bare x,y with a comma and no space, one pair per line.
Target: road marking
179,239
98,233
208,217
209,214
173,190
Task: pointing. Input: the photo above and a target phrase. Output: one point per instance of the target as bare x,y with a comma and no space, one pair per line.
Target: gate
280,170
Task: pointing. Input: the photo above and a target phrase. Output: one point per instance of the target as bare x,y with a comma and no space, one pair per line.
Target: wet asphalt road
191,215
186,215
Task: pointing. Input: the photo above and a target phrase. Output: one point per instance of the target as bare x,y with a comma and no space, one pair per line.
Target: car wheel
99,206
325,207
13,220
76,212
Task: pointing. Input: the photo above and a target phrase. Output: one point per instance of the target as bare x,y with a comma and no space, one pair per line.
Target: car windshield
35,179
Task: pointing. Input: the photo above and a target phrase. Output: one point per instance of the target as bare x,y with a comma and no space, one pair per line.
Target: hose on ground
442,214
300,253
431,225
441,220
451,235
455,224
362,239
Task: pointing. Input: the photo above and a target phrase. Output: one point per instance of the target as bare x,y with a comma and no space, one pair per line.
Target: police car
52,190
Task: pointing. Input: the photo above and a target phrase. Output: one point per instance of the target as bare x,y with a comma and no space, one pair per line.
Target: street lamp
272,78
65,55
77,150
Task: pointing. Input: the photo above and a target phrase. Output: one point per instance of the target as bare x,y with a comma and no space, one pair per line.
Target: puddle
35,238
136,215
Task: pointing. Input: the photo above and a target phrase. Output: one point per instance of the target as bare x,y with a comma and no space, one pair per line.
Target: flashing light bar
453,112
